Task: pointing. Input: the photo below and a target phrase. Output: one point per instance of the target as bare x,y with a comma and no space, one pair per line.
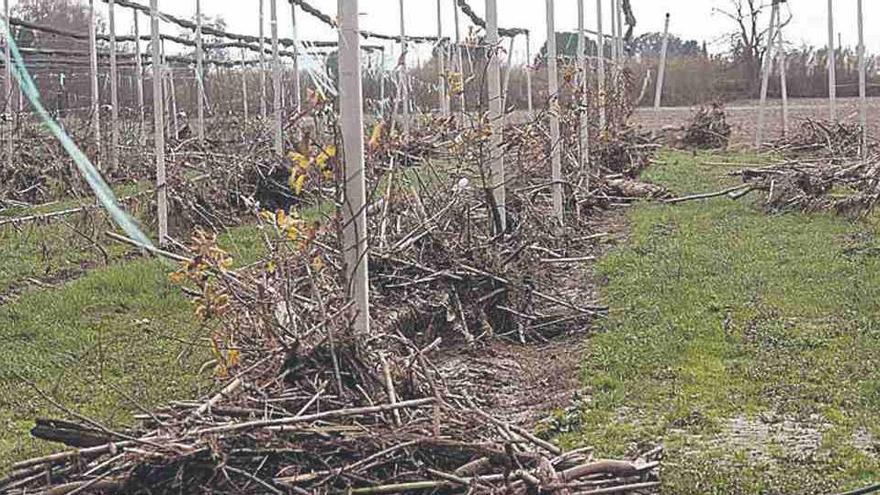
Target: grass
97,342
744,342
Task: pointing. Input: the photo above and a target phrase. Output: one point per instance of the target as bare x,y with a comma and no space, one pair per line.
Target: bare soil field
743,115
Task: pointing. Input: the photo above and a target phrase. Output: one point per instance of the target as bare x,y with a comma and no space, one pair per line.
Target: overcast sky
691,19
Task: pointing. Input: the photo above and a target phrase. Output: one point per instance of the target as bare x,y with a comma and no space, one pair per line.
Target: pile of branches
708,129
308,404
828,139
851,189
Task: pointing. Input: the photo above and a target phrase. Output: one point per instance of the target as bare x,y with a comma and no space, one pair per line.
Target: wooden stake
661,70
832,65
528,69
263,104
244,88
7,84
765,77
600,60
172,91
783,78
403,79
459,56
114,90
621,53
354,210
553,95
584,135
505,86
297,91
614,53
496,117
863,101
93,74
139,79
159,126
441,63
276,79
200,73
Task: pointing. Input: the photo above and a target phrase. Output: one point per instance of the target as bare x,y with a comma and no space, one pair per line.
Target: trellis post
441,62
583,135
783,77
159,126
832,65
528,69
200,73
459,56
7,83
263,104
553,96
496,118
114,89
297,91
765,76
354,209
403,80
276,78
244,88
661,70
95,108
600,61
139,77
863,101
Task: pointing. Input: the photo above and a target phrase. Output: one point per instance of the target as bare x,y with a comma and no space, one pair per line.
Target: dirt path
524,383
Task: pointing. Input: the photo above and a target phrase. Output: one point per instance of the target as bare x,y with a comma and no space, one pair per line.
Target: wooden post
528,69
613,33
621,53
505,86
600,60
403,79
244,88
263,110
354,210
93,74
159,125
765,77
496,118
139,78
459,56
863,101
297,91
583,135
172,92
441,63
114,89
661,71
7,84
783,78
276,79
200,73
553,95
832,65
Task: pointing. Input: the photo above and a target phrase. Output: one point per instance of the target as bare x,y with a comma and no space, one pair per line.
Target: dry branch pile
308,406
828,139
850,189
708,128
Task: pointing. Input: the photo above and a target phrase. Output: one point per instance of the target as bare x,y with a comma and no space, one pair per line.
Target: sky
690,19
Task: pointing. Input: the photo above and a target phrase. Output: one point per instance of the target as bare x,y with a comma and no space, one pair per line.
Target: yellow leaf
233,358
318,264
376,135
299,159
299,184
292,233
